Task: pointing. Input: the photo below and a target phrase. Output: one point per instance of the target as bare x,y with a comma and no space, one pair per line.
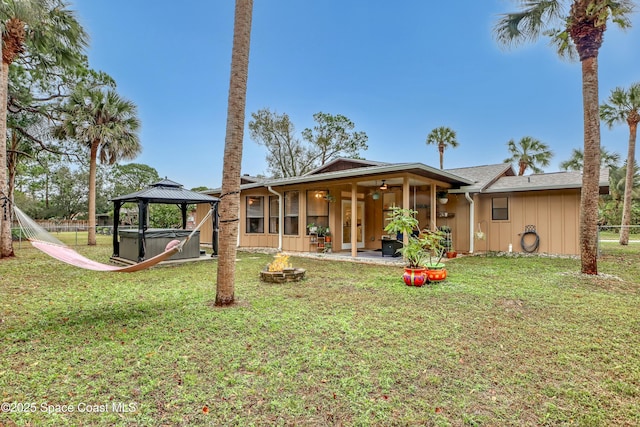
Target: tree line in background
62,117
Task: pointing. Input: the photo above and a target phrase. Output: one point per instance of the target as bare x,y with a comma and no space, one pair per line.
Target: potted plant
433,242
447,243
451,253
313,228
442,197
403,221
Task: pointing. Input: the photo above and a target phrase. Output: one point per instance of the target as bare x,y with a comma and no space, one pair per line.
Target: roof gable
343,163
483,176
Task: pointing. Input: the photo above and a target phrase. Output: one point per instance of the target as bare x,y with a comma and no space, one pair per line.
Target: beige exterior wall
555,214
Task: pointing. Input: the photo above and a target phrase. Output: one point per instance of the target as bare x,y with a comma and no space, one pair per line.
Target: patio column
354,219
405,205
433,207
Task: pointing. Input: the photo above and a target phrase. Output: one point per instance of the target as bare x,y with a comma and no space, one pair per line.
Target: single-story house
488,207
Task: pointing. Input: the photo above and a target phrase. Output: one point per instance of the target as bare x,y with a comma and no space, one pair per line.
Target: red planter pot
415,276
436,275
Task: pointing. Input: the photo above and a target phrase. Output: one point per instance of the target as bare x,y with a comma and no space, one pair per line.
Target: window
291,209
255,214
317,208
274,214
500,208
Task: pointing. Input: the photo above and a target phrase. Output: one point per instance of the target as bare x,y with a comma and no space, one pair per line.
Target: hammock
41,239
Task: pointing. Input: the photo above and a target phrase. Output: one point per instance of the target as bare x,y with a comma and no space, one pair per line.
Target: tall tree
132,177
624,106
50,33
333,136
230,197
107,125
443,137
580,31
286,155
575,162
529,153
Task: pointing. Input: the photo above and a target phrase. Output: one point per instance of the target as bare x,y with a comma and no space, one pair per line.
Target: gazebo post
216,224
142,226
183,208
116,220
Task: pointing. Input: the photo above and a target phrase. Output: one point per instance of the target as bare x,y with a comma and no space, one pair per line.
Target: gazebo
164,192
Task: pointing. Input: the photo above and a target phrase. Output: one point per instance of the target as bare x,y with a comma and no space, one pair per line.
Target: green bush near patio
506,340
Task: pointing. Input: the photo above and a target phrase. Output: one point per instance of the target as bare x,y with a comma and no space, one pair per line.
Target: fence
76,232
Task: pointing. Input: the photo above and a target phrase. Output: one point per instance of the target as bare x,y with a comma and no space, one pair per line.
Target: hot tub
156,240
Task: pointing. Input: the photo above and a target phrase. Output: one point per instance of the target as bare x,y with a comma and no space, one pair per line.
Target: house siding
555,215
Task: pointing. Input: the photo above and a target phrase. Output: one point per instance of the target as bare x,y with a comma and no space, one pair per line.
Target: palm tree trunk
91,240
591,171
6,244
441,151
522,167
230,197
628,185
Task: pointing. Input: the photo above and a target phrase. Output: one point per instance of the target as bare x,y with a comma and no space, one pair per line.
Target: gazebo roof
168,192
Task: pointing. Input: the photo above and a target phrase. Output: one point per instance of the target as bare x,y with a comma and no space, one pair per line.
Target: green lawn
505,341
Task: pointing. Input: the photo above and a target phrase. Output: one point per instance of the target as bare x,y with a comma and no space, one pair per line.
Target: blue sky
396,69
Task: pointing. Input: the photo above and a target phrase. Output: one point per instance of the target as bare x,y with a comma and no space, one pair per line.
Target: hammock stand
42,240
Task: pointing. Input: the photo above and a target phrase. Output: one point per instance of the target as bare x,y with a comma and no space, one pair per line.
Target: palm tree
618,183
49,34
580,31
108,126
624,106
443,137
529,153
230,197
607,160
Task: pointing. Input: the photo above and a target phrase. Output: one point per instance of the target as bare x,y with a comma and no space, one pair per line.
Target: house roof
482,176
167,192
545,181
248,179
362,172
343,163
494,178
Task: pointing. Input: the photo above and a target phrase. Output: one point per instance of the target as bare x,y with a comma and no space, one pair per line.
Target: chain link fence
70,234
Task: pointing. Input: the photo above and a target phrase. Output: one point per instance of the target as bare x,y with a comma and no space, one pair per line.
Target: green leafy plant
404,221
414,252
401,221
433,243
